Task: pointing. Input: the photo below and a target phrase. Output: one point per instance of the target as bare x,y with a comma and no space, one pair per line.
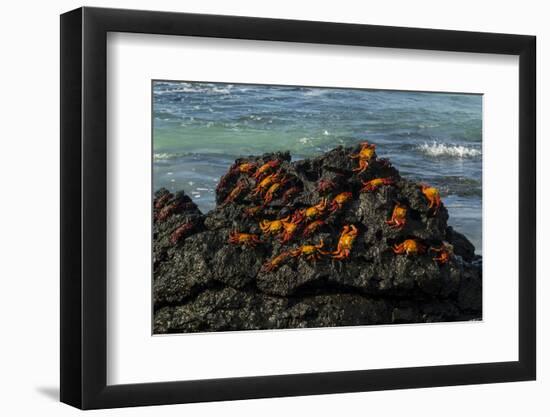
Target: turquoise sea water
200,128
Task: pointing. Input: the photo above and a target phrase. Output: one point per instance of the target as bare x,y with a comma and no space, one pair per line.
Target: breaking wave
441,149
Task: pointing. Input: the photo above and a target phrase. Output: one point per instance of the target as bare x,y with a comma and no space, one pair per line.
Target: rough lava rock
204,283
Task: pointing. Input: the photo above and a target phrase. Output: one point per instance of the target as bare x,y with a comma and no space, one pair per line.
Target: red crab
312,227
162,200
275,262
265,183
265,168
325,186
181,232
235,192
168,210
252,211
274,190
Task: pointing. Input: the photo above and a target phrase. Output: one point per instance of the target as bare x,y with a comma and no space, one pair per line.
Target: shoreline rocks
202,282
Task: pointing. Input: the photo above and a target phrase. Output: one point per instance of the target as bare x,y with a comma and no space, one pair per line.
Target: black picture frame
84,207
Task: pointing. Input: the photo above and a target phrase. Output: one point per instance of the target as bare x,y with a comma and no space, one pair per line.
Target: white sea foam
442,149
162,156
194,88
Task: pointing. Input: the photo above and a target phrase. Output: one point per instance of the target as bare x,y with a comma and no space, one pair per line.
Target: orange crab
339,201
252,211
345,242
265,168
273,190
246,239
275,262
244,168
273,227
289,230
312,227
399,216
444,253
235,192
365,155
310,252
310,213
409,247
433,197
374,184
180,232
264,184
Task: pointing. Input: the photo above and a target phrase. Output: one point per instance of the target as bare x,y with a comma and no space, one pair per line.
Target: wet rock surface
208,277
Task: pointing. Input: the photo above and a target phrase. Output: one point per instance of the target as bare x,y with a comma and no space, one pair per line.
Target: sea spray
441,149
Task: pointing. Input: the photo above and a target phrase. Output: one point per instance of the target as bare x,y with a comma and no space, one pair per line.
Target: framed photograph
257,208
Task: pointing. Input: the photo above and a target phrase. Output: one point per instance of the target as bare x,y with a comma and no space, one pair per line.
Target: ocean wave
441,149
177,88
161,156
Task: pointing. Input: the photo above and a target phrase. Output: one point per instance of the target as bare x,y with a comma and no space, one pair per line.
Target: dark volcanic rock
202,282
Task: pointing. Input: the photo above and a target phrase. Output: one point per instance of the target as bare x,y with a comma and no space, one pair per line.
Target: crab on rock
399,217
161,201
339,201
312,227
273,227
273,190
310,213
444,253
376,183
264,184
310,252
245,168
267,167
168,210
365,155
252,211
247,239
275,262
409,247
235,192
433,197
180,232
289,230
324,186
345,242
